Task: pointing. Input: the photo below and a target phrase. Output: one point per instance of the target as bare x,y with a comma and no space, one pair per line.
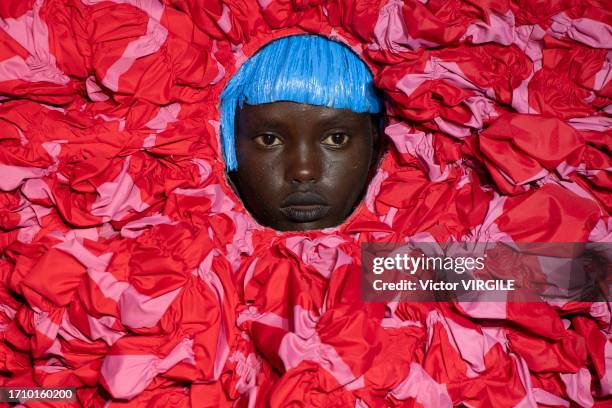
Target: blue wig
305,69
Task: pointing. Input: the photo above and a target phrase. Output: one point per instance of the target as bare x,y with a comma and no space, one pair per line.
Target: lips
304,207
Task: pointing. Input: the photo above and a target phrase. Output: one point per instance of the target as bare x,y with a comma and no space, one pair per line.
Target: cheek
353,163
346,175
259,179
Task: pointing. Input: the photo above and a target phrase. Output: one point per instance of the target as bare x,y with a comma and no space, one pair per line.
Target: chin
304,226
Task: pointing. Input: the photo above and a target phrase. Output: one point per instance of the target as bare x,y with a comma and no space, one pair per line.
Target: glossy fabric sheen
132,272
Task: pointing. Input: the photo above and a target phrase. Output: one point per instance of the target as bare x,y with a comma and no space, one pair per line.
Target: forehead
285,113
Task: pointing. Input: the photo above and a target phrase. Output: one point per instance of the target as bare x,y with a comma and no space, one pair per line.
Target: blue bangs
305,69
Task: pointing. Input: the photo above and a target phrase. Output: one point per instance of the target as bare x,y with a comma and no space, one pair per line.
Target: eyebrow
329,120
271,122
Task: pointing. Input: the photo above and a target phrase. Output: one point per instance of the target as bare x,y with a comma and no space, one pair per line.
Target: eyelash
345,139
260,140
268,140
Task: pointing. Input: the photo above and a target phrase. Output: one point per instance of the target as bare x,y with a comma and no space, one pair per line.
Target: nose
303,164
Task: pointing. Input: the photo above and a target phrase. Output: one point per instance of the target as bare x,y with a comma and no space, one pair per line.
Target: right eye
268,140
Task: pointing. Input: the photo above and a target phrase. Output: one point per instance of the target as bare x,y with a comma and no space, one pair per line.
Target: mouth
304,207
305,213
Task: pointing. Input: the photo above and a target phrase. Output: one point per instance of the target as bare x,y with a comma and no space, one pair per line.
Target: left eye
336,140
268,140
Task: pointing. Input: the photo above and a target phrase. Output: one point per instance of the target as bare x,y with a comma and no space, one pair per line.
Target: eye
336,140
268,140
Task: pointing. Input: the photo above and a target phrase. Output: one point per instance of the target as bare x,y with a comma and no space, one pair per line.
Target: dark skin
302,167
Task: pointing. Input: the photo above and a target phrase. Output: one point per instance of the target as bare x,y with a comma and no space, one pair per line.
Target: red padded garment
130,270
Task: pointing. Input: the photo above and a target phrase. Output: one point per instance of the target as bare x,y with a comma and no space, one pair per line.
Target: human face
302,167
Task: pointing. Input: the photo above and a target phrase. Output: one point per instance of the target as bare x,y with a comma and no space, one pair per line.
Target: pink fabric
544,397
96,268
601,311
417,144
606,380
264,3
134,228
247,368
204,168
106,118
242,244
220,202
128,375
68,331
205,272
31,70
525,377
224,21
94,91
520,98
153,8
390,32
436,68
138,310
47,369
31,32
8,311
322,253
145,45
489,231
596,123
304,344
104,328
593,33
165,115
54,350
420,386
31,214
473,351
604,75
500,29
374,189
119,197
31,221
13,176
54,149
529,39
485,310
294,349
451,128
578,387
252,315
482,110
45,325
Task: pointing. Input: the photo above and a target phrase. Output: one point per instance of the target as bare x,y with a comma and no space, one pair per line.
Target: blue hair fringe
307,69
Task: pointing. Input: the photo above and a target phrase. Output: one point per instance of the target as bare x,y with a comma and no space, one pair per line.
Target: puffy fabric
131,271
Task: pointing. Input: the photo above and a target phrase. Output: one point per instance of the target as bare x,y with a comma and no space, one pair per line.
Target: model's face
302,167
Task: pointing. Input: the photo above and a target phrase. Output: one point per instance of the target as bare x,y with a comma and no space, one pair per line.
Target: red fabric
130,270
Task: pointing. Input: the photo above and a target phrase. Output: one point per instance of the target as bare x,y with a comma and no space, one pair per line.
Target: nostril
297,180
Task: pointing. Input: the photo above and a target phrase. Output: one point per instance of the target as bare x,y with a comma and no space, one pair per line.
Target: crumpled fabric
131,271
